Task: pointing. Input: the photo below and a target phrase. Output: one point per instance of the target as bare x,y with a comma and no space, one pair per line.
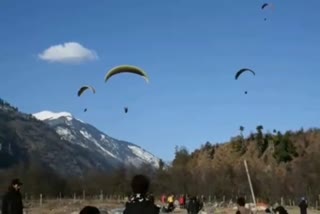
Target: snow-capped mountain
114,151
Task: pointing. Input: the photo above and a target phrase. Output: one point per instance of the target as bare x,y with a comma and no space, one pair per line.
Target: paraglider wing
126,69
84,88
264,5
126,109
243,70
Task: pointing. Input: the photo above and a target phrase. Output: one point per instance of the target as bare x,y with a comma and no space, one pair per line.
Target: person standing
140,202
12,200
194,206
241,206
303,206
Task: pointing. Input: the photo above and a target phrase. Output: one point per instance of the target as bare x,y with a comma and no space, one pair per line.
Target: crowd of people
140,202
193,204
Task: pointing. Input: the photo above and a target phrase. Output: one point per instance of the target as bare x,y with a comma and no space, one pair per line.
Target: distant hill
65,145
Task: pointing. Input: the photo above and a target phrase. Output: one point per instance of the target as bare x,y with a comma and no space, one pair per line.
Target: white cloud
70,52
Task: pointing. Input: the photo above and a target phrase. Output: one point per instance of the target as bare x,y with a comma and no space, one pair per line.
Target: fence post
40,202
74,197
101,195
83,195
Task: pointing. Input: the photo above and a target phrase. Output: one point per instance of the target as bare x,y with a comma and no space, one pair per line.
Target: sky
191,51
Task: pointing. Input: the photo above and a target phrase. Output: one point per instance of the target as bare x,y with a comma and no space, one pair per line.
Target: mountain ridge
71,129
65,144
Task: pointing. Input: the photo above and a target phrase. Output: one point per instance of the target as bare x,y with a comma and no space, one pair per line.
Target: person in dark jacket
90,210
241,201
280,210
303,206
194,206
140,202
12,200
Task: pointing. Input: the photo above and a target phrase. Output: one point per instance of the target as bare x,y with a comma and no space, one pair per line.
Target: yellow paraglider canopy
126,69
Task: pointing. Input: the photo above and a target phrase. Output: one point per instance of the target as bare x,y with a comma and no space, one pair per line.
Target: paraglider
125,109
242,71
84,88
264,6
126,69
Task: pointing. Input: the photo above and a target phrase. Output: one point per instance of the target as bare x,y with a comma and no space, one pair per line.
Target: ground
74,206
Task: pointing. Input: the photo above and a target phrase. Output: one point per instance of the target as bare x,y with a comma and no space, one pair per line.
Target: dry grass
73,207
68,206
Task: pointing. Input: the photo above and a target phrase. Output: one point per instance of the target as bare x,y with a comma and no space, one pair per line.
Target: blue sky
191,51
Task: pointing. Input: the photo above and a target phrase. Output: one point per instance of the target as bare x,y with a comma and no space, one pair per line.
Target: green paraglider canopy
126,69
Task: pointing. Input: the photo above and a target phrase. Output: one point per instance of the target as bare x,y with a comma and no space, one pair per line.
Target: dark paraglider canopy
125,109
241,71
246,92
264,5
85,110
84,88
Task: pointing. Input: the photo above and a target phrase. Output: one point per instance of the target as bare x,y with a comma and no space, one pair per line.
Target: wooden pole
250,184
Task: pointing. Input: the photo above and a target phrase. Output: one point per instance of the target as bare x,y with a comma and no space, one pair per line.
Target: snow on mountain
49,115
146,156
87,136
